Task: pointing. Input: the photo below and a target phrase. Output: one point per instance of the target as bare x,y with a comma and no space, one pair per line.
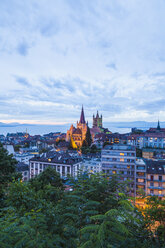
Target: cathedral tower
78,134
97,121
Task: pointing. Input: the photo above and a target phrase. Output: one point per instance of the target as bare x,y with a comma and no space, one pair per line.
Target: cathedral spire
82,117
158,126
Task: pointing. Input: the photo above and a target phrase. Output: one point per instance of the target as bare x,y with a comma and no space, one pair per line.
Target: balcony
156,195
140,183
156,187
156,180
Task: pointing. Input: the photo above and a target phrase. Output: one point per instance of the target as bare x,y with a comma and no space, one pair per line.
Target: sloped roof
82,117
77,131
155,167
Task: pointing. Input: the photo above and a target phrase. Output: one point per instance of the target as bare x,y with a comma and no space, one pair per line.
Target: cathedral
97,121
77,135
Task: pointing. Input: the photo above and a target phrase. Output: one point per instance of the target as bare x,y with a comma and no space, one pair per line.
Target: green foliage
17,147
138,152
7,171
88,137
119,227
155,216
40,213
43,150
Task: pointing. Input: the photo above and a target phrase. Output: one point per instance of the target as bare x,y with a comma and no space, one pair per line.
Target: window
159,184
63,170
140,186
140,174
32,165
140,180
121,154
140,168
40,166
160,178
159,192
151,184
121,159
151,191
152,177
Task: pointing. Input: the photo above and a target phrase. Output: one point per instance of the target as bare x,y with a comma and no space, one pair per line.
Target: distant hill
138,124
13,124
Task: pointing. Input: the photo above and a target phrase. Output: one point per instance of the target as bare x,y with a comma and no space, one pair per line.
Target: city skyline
56,56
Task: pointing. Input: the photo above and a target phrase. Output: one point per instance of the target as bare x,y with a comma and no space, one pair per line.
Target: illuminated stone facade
97,121
77,135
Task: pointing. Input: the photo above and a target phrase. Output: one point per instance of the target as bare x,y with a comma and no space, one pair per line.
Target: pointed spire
158,126
82,117
97,114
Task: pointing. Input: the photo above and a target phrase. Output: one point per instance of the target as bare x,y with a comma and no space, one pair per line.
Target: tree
7,170
138,152
155,216
94,148
48,184
39,213
121,226
88,137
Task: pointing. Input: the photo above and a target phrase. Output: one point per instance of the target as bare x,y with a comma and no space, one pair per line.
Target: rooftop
57,158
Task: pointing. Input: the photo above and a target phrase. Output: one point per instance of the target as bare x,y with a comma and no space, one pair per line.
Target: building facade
92,165
152,138
97,120
77,135
120,159
155,178
140,176
24,170
63,163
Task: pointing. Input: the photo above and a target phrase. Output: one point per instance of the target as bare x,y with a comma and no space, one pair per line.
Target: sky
56,55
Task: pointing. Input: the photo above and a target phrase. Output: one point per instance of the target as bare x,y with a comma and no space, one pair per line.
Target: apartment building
91,165
121,160
63,163
155,178
140,176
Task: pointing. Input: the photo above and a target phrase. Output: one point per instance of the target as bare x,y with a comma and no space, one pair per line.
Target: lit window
49,159
121,154
121,159
140,180
160,192
114,172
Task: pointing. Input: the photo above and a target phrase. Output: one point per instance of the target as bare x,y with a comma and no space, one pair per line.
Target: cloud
23,81
111,65
107,55
22,48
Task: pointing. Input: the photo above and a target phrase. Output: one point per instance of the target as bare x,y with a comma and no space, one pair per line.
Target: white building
24,170
61,162
92,165
23,157
154,140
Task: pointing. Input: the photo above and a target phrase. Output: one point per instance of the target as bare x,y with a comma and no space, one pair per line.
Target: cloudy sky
59,54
